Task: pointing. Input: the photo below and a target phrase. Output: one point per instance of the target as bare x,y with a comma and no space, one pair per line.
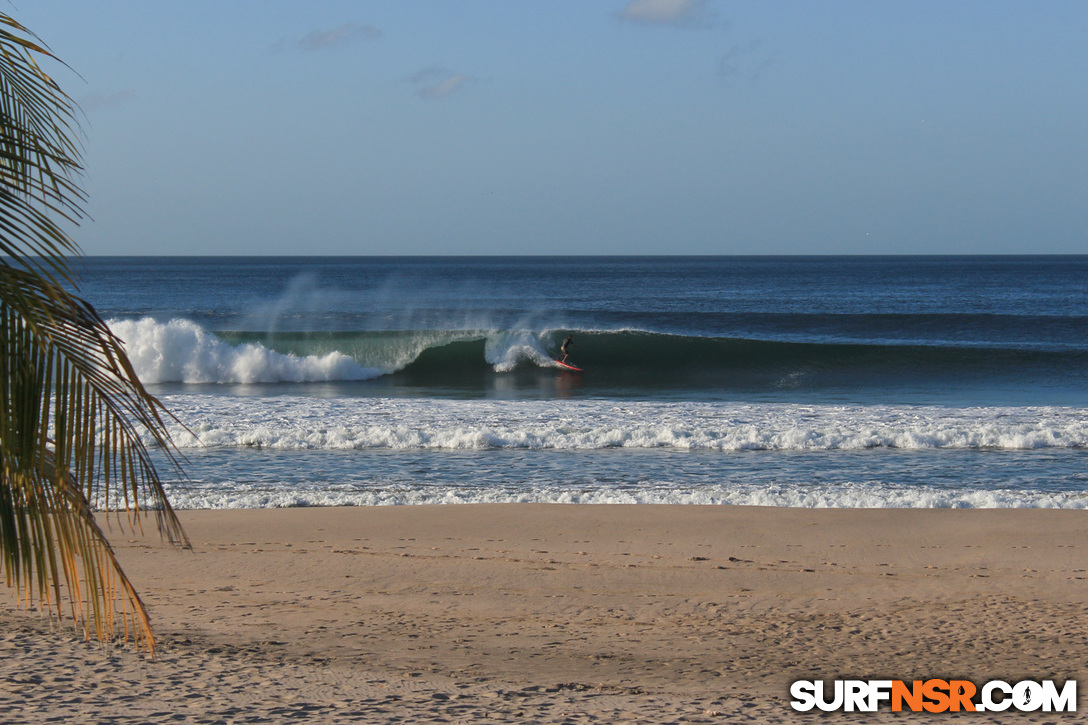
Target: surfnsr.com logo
933,696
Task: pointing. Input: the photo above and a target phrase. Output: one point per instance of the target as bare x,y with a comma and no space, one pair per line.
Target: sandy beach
564,614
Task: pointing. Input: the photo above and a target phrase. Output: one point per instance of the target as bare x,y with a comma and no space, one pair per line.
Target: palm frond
39,157
75,421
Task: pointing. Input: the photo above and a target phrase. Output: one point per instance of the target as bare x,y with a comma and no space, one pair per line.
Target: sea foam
227,495
306,423
183,351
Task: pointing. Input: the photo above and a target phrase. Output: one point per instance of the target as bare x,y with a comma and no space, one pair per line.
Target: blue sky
564,127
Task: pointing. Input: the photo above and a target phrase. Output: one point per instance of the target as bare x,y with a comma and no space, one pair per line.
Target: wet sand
564,614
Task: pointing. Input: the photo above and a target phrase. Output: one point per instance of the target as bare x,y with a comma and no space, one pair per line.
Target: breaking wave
183,351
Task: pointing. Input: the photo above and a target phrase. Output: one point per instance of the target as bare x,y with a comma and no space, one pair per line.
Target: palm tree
76,425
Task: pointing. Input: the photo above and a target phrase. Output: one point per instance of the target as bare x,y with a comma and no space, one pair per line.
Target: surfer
565,349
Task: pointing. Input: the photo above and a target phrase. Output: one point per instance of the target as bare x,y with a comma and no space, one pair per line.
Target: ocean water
787,381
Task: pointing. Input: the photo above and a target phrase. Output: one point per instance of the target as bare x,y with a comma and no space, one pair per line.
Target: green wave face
633,359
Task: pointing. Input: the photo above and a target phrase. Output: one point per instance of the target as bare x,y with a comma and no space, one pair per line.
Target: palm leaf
75,422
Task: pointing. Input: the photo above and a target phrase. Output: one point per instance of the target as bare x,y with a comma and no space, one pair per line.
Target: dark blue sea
783,381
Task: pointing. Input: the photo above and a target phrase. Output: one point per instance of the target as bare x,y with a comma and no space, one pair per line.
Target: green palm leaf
74,417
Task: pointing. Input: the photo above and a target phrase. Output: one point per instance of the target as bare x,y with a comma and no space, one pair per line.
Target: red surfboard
566,366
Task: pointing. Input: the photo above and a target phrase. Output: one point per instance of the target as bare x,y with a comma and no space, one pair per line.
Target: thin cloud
745,61
444,87
343,35
97,101
436,83
680,13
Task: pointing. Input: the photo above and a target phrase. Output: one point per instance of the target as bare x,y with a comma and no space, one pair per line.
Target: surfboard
566,366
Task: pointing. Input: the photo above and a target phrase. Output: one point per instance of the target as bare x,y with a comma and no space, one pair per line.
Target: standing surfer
565,349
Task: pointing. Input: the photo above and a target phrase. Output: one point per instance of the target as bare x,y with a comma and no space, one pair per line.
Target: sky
569,127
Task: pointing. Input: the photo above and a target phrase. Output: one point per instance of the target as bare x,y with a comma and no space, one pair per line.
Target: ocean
780,381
